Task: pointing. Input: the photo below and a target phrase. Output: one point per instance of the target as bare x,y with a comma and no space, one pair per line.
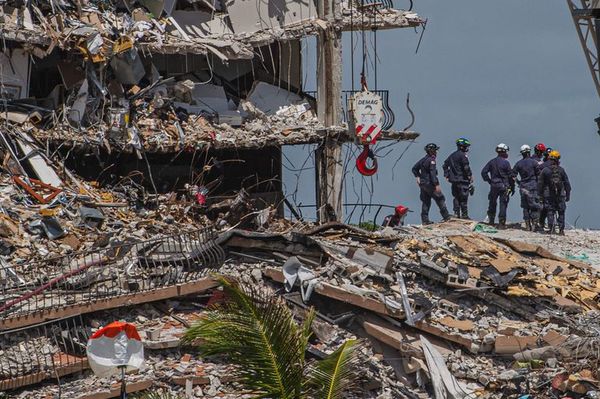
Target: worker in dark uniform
526,170
543,206
458,172
554,185
538,153
425,171
498,174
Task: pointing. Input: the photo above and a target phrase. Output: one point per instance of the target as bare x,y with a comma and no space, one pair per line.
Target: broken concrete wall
249,16
14,74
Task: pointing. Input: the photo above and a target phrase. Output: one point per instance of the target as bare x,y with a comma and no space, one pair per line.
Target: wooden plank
115,391
341,295
407,344
109,303
533,250
511,344
462,341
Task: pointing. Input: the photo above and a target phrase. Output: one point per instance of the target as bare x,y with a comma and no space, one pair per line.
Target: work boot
491,218
528,225
464,213
561,232
538,228
501,224
445,214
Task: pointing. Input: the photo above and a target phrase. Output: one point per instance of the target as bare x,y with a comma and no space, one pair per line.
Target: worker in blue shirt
543,206
538,153
554,186
526,171
498,174
425,171
457,171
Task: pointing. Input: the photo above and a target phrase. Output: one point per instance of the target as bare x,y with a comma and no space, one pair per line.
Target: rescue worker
498,173
526,170
538,152
547,154
544,207
397,219
425,171
554,186
458,172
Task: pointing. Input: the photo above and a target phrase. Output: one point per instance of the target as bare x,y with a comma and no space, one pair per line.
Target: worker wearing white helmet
526,171
498,174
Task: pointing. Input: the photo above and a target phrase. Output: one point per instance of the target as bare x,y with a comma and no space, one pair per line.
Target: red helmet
540,147
401,210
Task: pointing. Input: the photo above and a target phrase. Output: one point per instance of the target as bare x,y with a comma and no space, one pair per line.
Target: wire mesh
109,272
49,350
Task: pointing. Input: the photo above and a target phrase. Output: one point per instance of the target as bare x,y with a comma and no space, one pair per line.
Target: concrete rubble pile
443,309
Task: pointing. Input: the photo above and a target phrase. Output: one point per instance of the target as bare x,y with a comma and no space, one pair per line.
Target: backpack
556,182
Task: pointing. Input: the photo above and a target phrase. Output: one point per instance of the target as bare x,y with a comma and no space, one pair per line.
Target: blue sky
510,71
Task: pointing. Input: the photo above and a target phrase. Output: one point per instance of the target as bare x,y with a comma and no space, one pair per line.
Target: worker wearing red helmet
397,219
538,153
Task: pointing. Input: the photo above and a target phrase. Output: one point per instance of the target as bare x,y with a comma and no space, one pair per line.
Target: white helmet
525,148
502,148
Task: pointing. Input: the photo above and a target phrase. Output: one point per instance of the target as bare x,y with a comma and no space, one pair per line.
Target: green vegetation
256,331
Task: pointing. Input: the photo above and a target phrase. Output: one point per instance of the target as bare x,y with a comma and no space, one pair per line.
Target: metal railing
388,115
364,209
113,271
49,350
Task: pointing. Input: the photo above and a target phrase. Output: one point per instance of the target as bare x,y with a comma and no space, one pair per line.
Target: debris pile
443,308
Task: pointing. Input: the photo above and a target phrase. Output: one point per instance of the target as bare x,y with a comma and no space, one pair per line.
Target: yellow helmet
554,155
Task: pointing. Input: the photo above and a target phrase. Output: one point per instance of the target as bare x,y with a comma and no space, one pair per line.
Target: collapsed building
129,131
166,88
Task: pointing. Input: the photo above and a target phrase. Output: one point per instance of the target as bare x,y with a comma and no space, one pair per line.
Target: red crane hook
361,162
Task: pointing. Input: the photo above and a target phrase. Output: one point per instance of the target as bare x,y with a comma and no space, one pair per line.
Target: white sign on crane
368,116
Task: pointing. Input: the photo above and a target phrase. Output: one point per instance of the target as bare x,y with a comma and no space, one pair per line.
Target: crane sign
368,116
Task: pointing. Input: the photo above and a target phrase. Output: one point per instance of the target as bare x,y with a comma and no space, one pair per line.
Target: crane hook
361,162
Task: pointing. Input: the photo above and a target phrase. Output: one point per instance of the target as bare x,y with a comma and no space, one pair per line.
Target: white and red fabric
115,346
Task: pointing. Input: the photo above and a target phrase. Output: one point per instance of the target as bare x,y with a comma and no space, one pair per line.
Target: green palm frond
256,331
336,374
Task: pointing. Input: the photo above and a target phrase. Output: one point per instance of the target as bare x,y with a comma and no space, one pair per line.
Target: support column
328,157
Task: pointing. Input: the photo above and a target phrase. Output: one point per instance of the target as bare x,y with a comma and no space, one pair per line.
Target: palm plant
256,331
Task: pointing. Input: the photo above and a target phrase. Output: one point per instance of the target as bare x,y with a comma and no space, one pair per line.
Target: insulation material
14,74
201,24
270,99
